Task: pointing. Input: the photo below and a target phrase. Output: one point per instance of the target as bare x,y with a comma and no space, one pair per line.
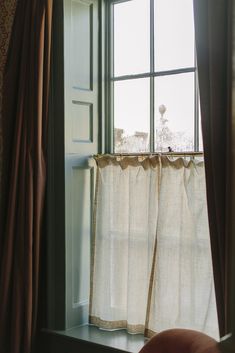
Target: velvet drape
24,131
7,14
213,43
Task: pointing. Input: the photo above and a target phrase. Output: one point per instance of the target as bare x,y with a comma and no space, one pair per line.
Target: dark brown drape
7,12
213,42
24,126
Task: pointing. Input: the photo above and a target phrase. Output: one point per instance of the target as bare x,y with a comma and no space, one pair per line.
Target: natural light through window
151,255
155,101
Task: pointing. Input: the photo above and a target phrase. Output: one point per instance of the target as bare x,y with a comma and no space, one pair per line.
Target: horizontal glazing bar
154,74
118,1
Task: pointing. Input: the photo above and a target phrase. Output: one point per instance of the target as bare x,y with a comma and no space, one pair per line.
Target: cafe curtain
152,267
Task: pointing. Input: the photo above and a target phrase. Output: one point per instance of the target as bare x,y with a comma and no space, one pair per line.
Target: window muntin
167,62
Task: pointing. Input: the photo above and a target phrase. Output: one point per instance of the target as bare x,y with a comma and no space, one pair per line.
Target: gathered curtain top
150,161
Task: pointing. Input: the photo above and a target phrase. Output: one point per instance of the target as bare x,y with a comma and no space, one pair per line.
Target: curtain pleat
24,117
213,40
7,13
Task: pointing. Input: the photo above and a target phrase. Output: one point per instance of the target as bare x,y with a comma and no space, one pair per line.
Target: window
78,132
153,96
151,235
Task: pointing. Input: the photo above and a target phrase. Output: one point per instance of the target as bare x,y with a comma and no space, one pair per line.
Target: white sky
174,48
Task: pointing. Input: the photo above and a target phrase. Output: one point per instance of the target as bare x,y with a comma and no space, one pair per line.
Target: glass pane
131,37
131,116
174,34
174,112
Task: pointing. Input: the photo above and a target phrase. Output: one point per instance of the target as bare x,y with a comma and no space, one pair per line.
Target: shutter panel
81,141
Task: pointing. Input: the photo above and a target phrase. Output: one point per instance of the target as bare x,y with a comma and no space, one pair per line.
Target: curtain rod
151,154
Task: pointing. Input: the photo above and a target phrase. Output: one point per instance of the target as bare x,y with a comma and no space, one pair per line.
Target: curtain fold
7,13
152,267
213,40
24,126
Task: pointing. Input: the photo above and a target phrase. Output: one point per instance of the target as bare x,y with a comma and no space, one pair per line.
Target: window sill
118,340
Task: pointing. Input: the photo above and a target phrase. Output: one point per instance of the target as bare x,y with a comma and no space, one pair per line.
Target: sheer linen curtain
152,267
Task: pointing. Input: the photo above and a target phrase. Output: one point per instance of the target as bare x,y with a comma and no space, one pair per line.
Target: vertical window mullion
196,107
196,114
152,123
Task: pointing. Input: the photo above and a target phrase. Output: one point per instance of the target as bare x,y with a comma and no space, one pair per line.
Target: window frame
111,79
60,161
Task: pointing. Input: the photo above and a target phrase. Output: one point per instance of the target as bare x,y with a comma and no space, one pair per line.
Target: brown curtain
213,42
7,13
24,131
